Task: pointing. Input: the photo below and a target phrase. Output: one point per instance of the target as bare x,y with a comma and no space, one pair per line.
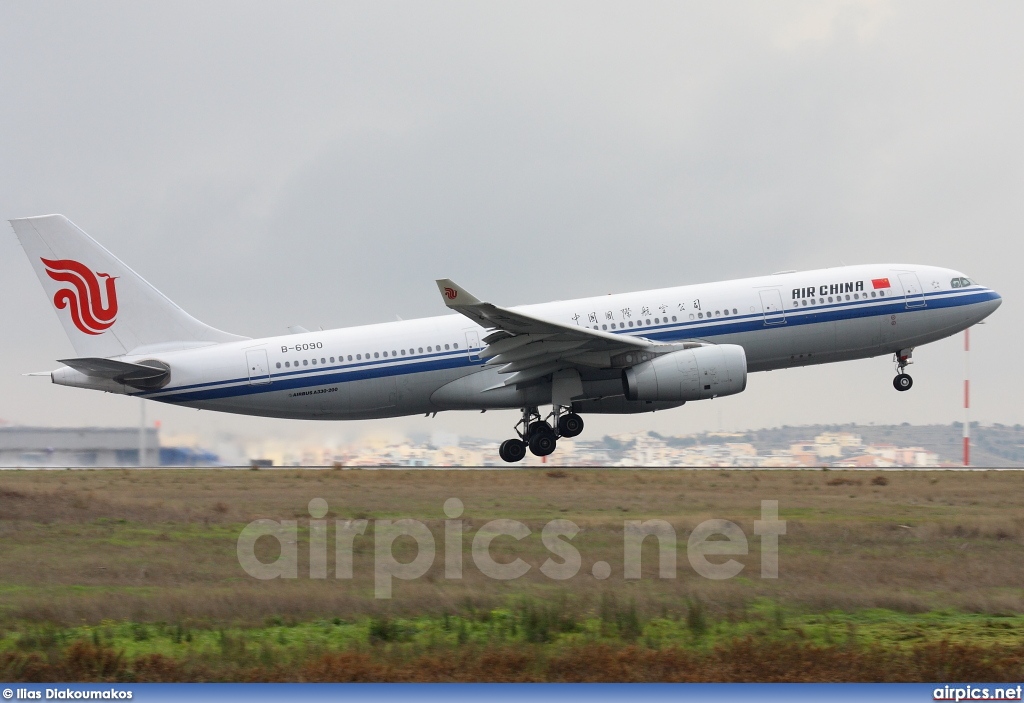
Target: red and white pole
967,397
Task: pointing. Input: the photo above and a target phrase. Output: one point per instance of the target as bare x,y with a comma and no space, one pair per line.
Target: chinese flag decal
880,283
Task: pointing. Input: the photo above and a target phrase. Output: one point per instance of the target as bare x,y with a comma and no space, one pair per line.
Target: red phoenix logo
85,299
451,293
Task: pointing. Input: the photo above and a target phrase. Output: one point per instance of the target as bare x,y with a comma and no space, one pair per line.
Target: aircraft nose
989,306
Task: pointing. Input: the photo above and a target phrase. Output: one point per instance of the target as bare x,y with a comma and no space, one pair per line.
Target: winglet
454,295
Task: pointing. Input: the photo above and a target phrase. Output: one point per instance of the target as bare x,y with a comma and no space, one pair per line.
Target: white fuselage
429,365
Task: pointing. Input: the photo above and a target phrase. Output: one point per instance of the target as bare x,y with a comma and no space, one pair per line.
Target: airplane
624,353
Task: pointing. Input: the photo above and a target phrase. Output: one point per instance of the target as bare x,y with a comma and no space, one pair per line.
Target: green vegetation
528,623
532,642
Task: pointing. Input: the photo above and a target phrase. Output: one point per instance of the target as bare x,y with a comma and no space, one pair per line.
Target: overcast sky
267,165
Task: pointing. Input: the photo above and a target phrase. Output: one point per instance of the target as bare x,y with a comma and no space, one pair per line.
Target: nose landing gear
903,381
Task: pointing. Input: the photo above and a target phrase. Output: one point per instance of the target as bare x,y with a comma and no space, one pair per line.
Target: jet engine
689,374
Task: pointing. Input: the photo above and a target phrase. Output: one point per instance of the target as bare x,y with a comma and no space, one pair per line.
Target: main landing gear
903,381
538,435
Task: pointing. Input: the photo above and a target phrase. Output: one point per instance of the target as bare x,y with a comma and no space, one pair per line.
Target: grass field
134,575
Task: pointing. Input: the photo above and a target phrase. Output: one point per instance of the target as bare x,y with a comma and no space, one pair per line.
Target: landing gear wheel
542,443
539,427
512,450
903,382
570,425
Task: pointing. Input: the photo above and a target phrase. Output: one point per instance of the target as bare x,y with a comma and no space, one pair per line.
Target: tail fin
106,308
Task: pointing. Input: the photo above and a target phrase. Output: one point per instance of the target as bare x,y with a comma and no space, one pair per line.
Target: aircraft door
473,344
912,290
258,366
771,306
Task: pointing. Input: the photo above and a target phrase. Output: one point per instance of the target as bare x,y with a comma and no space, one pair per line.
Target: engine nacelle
688,374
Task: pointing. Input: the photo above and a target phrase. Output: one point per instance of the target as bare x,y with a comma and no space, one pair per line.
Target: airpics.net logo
85,299
718,539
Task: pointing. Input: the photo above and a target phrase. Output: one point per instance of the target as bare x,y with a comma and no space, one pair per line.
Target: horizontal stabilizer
135,375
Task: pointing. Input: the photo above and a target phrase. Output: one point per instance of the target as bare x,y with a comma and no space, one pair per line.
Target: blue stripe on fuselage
676,331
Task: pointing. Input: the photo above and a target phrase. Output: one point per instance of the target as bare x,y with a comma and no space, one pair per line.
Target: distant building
92,446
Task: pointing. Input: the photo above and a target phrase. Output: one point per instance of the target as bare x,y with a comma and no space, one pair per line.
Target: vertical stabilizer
106,308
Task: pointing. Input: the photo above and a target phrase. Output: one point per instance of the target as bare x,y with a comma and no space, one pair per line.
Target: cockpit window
961,283
955,283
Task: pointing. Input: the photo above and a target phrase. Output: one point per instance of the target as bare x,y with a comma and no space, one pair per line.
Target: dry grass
740,661
160,545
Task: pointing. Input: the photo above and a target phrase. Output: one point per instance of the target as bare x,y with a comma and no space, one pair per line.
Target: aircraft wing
526,347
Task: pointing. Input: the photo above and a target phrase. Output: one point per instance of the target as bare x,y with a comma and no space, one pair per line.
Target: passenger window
324,361
394,353
359,356
700,315
881,294
446,347
804,303
717,313
691,315
350,357
314,362
648,322
421,350
657,320
734,311
385,355
376,355
455,346
872,294
673,318
305,362
430,349
403,352
279,364
604,327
